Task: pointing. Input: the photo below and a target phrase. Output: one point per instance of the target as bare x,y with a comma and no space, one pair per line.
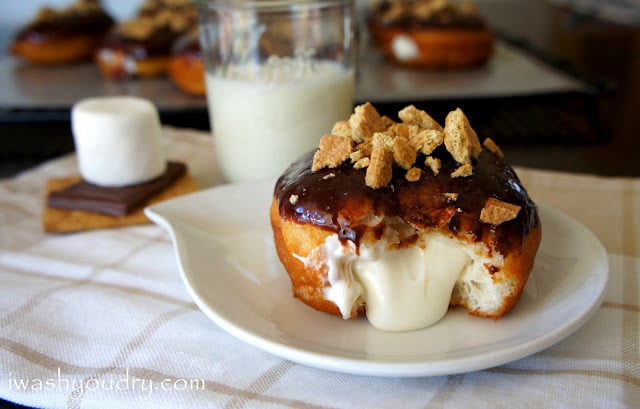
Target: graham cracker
67,221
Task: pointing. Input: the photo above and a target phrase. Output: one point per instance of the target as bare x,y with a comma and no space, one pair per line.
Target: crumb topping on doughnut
155,5
493,147
176,16
378,143
80,7
496,212
438,13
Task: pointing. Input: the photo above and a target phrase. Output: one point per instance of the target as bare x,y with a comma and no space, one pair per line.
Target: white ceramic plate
226,255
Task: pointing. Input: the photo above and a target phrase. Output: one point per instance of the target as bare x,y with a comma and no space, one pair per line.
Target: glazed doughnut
400,220
141,47
63,36
186,67
431,33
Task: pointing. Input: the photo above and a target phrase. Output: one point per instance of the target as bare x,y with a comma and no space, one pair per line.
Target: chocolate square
114,201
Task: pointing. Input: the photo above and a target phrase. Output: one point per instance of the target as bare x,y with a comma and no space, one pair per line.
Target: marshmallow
117,140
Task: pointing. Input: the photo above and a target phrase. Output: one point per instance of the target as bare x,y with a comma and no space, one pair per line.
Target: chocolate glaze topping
92,23
447,17
157,44
334,199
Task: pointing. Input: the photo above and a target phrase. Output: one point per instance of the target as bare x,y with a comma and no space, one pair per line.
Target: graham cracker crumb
380,167
365,147
395,11
361,163
427,140
459,138
493,147
342,128
434,164
463,171
356,156
403,154
413,174
414,116
496,212
365,121
333,151
382,140
403,130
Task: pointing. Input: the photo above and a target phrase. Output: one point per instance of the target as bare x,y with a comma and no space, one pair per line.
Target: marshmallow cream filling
403,288
405,48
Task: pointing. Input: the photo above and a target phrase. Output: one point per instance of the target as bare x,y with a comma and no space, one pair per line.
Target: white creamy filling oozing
404,48
405,288
410,288
343,288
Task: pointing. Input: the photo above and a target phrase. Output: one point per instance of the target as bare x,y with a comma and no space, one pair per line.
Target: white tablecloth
101,319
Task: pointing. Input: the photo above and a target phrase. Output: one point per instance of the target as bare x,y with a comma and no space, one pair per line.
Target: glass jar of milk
279,74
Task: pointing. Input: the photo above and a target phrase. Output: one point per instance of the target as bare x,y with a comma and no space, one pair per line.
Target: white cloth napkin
101,319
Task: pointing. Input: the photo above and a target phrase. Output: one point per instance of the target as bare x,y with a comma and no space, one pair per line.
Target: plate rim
357,366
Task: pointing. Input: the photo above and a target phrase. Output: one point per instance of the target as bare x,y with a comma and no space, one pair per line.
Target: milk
265,117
